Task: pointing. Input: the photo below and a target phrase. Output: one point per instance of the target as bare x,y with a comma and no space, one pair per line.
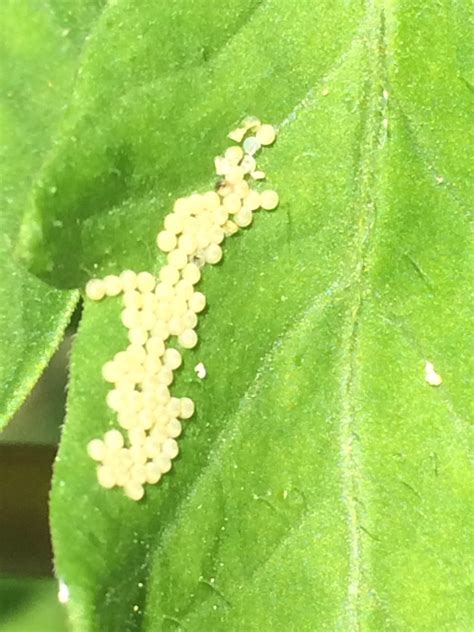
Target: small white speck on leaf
63,592
431,376
325,92
200,370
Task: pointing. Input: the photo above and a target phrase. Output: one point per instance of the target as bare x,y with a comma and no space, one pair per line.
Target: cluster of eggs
159,310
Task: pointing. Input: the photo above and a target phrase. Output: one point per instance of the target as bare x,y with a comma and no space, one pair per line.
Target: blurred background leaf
31,606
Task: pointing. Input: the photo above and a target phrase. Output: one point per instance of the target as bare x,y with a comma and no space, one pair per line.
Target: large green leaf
39,52
324,484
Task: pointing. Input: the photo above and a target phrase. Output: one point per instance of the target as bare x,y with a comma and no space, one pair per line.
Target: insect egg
146,419
96,449
165,291
242,189
213,253
162,394
155,346
187,408
114,399
191,273
152,366
235,175
112,285
266,134
217,235
234,154
113,440
165,376
221,215
95,289
135,353
230,228
248,164
169,274
170,449
147,319
172,358
130,317
128,279
232,203
153,473
184,290
173,428
180,304
188,244
188,338
243,218
197,302
177,258
137,336
175,326
251,145
166,240
181,207
211,201
138,453
146,282
163,462
137,437
189,320
237,134
105,476
190,225
161,330
134,490
122,475
222,166
125,419
174,223
133,299
138,473
111,372
269,200
252,200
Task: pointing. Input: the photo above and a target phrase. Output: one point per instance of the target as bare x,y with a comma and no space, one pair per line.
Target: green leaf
323,484
31,606
39,52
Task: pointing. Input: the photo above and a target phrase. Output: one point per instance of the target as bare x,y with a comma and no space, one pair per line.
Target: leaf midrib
351,465
368,197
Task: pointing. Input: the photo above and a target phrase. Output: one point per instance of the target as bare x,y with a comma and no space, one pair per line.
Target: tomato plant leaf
324,483
39,52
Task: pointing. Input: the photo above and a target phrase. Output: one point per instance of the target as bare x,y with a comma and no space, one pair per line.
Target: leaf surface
323,484
39,53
